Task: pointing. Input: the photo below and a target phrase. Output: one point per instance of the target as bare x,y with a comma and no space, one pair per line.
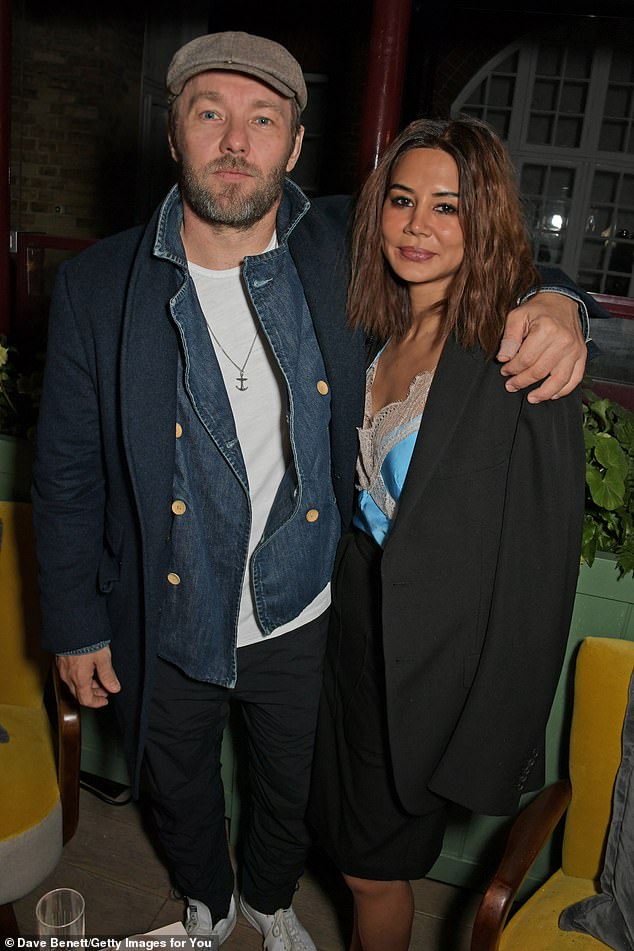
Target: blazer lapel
456,375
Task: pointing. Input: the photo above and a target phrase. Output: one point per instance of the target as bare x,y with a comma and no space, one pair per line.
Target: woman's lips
416,254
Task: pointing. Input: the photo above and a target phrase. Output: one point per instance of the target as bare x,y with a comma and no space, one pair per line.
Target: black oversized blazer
479,575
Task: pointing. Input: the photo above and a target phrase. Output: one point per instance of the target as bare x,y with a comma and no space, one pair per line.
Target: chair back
23,664
602,676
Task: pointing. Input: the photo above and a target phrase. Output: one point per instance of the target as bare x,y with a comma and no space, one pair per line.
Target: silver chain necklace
242,379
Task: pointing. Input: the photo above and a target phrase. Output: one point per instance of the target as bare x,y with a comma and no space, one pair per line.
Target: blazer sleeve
495,750
69,484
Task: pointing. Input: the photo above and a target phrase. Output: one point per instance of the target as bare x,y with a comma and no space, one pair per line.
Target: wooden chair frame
530,831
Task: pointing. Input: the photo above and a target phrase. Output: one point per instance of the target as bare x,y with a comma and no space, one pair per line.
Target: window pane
579,61
550,249
561,181
612,136
549,60
532,208
573,97
621,256
604,186
604,220
540,130
592,255
500,121
545,93
533,179
568,133
618,101
554,218
627,191
592,223
617,285
622,68
501,91
589,282
479,94
625,223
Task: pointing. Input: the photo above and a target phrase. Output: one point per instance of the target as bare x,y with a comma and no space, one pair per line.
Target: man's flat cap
240,53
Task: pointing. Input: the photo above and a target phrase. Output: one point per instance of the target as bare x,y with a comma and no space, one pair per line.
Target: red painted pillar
5,130
386,74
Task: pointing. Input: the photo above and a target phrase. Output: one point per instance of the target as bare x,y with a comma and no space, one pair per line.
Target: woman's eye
446,209
401,201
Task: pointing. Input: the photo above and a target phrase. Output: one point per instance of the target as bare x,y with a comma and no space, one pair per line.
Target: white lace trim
381,433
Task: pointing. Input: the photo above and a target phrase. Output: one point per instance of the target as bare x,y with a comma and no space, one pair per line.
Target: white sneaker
198,920
281,932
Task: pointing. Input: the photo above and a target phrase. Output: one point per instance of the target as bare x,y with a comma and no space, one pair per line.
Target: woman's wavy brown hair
497,266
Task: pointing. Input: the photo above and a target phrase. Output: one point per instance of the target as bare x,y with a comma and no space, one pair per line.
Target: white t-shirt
257,395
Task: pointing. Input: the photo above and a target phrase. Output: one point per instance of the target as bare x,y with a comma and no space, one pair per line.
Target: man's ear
173,150
297,148
172,126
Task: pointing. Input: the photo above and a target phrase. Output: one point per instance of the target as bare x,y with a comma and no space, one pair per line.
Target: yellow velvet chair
39,772
602,675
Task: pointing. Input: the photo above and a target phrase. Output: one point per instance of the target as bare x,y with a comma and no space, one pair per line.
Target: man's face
234,146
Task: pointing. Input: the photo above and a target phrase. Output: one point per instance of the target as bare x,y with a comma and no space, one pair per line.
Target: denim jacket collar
168,243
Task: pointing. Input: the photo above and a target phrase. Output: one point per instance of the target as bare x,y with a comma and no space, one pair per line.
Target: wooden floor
112,861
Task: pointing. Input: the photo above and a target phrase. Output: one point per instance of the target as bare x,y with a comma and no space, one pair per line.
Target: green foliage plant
609,520
20,390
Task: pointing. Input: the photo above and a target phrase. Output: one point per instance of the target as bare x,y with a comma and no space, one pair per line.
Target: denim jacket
293,560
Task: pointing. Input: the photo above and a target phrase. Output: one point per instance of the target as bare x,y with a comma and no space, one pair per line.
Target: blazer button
173,578
178,507
179,430
322,387
312,515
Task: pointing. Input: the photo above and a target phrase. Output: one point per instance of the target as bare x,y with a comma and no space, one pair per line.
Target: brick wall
75,99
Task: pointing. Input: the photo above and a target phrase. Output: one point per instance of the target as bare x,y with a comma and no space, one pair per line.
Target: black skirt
354,807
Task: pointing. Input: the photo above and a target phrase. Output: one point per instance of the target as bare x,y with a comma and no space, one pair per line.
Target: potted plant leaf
609,443
20,389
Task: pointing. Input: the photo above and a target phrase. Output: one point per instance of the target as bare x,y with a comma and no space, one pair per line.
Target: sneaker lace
285,927
279,930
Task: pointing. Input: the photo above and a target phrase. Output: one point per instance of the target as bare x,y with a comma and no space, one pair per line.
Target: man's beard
228,205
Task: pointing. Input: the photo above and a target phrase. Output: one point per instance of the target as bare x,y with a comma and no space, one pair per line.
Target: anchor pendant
242,379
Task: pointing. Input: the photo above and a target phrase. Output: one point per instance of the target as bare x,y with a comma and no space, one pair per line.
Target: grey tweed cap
241,53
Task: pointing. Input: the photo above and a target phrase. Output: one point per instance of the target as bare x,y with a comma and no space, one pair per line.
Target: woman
452,596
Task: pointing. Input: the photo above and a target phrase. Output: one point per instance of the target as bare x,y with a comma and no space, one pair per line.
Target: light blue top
386,444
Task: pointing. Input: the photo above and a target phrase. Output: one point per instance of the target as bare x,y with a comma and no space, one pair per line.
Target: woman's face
421,235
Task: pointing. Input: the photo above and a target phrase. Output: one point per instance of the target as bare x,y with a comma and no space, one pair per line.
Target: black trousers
278,687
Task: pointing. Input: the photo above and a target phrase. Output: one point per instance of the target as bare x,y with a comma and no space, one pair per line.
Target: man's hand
543,341
89,677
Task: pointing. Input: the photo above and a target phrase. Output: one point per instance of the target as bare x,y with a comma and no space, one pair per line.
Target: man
195,466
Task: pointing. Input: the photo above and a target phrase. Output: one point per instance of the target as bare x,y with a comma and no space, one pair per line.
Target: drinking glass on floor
60,913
